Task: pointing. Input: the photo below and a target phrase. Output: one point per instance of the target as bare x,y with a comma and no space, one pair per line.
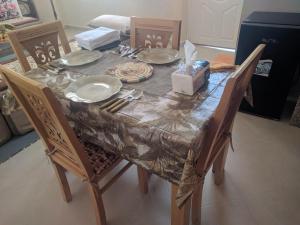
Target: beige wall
79,12
270,5
44,10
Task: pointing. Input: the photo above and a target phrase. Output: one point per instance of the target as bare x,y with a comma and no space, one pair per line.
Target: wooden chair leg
63,182
219,166
98,203
179,216
196,204
143,177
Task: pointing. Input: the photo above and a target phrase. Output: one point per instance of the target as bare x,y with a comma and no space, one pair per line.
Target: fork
134,54
48,69
108,105
137,95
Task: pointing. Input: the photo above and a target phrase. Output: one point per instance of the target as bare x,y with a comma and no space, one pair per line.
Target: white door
214,22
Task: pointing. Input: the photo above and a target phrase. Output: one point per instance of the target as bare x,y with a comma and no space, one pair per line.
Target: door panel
214,22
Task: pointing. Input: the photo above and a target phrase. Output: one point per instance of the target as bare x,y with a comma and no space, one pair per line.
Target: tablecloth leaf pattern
162,132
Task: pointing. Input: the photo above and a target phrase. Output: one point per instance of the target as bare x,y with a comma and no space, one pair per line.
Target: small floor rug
7,53
17,144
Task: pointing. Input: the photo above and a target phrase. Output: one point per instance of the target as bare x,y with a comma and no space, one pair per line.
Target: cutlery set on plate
52,68
117,103
127,51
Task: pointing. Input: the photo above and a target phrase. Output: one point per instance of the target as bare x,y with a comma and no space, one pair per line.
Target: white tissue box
188,80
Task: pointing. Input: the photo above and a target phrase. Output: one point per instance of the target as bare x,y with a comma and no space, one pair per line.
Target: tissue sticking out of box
190,52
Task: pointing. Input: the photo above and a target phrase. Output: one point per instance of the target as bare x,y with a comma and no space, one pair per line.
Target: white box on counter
188,80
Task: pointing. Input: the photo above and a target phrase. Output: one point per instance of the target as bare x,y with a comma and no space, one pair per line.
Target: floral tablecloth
162,132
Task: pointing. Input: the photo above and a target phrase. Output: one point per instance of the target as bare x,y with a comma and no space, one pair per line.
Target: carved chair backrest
40,41
154,33
221,124
45,113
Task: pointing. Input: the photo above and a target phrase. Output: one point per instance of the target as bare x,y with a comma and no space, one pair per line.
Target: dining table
162,131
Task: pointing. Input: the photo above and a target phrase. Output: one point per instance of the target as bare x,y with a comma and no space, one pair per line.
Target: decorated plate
133,72
159,55
93,89
79,58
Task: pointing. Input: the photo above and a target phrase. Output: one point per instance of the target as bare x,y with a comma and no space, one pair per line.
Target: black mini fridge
276,70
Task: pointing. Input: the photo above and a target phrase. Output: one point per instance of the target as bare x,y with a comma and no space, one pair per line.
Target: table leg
143,177
179,216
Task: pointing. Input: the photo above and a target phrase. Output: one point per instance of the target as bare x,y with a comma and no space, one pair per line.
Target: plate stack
96,38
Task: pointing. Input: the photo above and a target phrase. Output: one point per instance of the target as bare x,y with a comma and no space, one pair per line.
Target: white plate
158,55
79,58
93,89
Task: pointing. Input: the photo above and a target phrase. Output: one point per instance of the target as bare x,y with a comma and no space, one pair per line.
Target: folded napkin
108,46
216,66
98,37
222,61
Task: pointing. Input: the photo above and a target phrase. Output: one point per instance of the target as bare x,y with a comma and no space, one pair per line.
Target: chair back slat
155,33
44,49
45,113
221,124
41,42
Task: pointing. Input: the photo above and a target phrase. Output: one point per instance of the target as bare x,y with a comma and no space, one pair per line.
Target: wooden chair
40,41
216,142
66,151
154,33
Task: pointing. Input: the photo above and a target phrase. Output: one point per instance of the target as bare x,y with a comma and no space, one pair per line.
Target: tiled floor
261,187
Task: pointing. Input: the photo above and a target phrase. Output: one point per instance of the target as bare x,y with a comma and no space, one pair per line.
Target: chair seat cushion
99,159
121,23
21,21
